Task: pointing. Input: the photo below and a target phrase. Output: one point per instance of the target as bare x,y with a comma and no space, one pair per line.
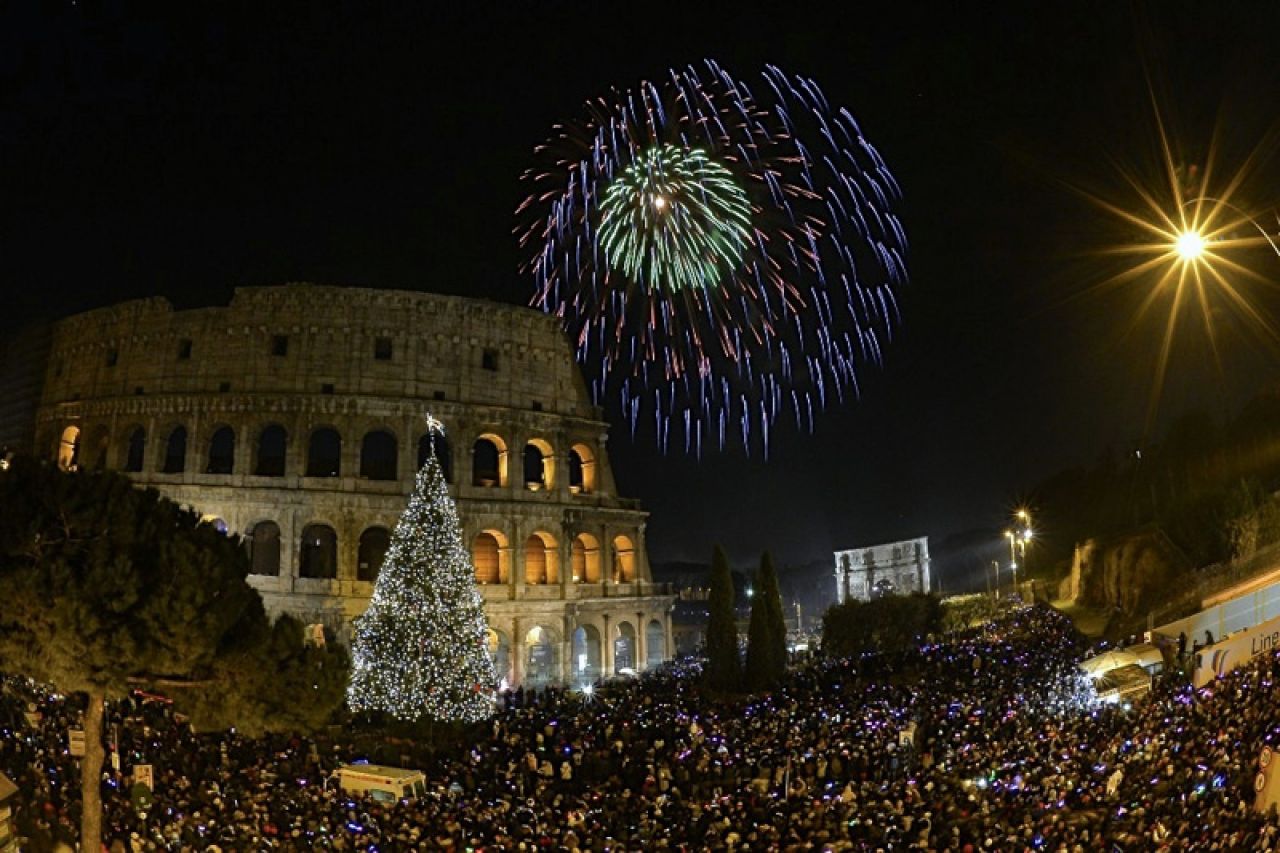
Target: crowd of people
986,740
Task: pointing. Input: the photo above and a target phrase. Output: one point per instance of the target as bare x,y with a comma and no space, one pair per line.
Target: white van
385,784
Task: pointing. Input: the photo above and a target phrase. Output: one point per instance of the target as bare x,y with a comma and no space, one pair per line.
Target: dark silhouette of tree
107,587
766,632
723,667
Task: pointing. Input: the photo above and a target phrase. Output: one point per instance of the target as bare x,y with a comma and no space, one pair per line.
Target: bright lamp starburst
1190,245
1196,249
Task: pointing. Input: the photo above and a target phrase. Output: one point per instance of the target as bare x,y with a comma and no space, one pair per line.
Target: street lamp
1018,538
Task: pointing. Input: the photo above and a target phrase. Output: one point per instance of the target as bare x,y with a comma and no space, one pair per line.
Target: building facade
874,571
295,417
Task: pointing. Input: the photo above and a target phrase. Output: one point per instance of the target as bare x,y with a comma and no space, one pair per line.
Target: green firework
675,218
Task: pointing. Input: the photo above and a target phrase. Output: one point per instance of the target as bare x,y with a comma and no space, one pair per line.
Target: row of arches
318,555
542,664
379,457
317,551
540,553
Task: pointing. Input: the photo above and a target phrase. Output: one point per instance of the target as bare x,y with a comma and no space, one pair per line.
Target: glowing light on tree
419,650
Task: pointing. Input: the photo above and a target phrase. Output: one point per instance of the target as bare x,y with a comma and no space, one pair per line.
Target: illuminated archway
624,647
582,469
586,559
586,654
539,465
541,559
69,449
624,560
489,461
491,555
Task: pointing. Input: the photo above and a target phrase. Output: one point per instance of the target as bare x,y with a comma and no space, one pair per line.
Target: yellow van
385,784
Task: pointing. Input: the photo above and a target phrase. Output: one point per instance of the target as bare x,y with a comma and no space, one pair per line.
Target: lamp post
1018,537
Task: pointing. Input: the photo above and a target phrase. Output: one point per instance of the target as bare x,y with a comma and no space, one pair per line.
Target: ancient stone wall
295,417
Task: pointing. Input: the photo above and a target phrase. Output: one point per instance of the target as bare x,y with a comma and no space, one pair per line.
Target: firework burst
720,253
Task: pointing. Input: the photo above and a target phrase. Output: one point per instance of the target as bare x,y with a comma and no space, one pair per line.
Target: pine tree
419,650
723,669
767,631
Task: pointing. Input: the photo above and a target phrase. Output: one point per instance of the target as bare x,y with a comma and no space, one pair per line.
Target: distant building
874,571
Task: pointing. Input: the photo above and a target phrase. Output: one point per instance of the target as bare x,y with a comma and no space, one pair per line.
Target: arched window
264,548
624,560
586,559
486,463
99,443
318,555
373,550
136,450
539,465
324,453
175,451
487,557
69,449
582,470
272,446
222,451
379,457
444,453
655,641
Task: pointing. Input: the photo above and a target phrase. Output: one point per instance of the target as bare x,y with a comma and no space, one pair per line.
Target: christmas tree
419,650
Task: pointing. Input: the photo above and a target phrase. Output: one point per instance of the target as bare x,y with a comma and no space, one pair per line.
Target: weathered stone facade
295,416
895,568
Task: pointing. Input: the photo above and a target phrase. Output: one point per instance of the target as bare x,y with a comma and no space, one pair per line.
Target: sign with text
75,742
1217,660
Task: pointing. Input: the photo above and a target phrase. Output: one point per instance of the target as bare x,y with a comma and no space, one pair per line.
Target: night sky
182,157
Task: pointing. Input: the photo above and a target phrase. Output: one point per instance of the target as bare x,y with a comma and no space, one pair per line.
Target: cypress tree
723,670
767,632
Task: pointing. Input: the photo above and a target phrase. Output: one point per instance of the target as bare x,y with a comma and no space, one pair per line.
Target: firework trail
721,254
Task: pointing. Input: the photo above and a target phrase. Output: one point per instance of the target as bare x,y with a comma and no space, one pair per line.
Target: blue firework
722,254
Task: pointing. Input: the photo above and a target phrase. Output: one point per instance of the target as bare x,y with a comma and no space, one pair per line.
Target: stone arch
264,549
491,555
379,455
625,651
69,449
135,450
271,451
586,559
324,453
541,558
624,559
373,550
539,463
439,444
318,552
655,644
94,453
582,469
498,644
174,460
542,656
489,461
587,658
222,451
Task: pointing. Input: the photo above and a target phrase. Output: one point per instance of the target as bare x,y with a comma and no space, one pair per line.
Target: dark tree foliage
1199,484
724,671
766,632
107,587
890,624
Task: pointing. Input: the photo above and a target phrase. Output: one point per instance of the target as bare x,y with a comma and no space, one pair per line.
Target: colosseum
295,417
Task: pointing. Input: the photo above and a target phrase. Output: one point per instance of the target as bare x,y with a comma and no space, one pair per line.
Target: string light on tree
419,650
